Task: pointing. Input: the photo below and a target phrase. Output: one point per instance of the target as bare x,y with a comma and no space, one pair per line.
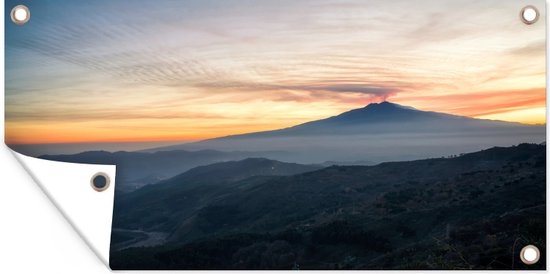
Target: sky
168,70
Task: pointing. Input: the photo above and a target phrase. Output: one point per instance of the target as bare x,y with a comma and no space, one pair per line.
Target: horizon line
192,140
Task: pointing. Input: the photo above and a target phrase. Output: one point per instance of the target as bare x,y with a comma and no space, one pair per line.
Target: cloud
60,115
380,91
533,49
235,59
481,103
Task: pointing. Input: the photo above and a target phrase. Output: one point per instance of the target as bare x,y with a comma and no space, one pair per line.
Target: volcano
378,132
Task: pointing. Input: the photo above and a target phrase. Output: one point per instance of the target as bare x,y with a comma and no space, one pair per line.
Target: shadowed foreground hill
163,205
475,211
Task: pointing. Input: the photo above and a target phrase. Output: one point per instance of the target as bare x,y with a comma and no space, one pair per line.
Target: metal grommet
529,15
529,255
100,182
20,14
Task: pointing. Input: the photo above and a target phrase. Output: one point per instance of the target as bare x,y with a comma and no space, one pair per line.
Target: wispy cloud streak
104,63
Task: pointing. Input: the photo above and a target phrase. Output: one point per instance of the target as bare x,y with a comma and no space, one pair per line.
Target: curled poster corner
68,187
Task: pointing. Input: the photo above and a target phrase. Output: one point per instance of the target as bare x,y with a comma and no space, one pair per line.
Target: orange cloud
483,103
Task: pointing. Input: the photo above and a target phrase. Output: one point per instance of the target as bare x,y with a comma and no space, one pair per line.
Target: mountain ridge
370,110
378,132
136,169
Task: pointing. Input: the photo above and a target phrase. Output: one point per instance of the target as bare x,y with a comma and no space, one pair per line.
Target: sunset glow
204,69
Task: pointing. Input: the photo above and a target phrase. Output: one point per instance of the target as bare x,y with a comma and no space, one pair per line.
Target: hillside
163,205
459,213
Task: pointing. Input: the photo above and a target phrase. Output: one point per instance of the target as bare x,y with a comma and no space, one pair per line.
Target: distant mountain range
264,214
377,133
136,169
373,134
